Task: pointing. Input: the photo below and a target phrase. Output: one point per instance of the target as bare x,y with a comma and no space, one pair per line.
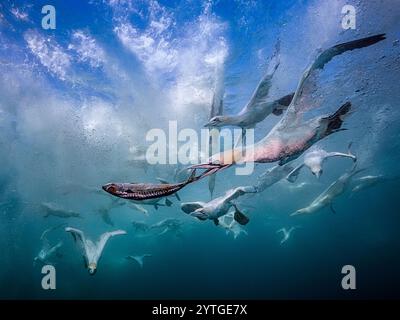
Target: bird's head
217,121
92,268
316,171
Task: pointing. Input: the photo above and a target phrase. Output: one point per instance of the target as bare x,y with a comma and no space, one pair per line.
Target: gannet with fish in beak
291,136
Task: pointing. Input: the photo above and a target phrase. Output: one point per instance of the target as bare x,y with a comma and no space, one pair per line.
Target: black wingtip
360,43
374,39
368,41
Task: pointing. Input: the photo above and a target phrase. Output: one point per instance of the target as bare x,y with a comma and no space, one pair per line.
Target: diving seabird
286,233
168,225
48,251
92,251
272,176
326,198
218,207
370,181
51,209
291,136
258,108
139,259
314,161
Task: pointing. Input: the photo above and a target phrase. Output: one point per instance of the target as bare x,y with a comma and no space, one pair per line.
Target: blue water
75,102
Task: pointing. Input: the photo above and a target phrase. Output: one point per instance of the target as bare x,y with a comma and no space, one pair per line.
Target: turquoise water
76,102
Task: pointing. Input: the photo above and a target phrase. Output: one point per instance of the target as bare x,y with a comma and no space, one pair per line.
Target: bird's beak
318,174
196,213
209,168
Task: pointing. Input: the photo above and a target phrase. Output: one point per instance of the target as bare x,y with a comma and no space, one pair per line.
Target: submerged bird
105,211
92,251
315,159
371,181
286,233
48,251
259,106
164,226
115,203
139,259
326,198
140,226
167,225
272,176
230,225
218,207
139,208
291,136
51,209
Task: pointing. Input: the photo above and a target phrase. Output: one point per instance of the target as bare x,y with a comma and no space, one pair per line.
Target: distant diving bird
51,209
291,136
326,198
370,181
165,226
47,252
230,225
286,233
104,211
92,251
139,259
315,159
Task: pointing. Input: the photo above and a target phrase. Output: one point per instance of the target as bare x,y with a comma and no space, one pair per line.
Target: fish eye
112,189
